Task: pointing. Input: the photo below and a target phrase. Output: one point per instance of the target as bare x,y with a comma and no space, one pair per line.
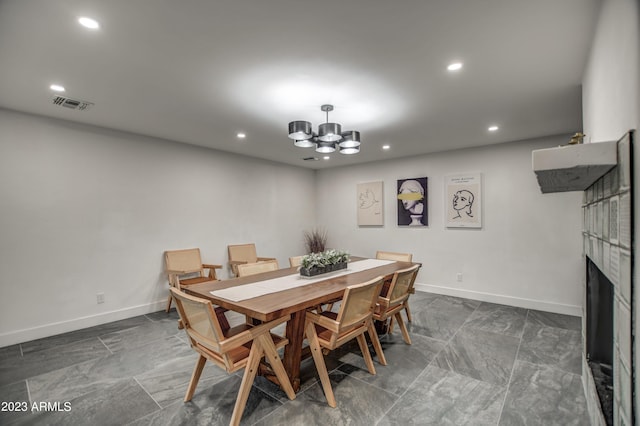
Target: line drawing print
463,202
367,199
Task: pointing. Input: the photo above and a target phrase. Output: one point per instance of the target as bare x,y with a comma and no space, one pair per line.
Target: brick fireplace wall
607,236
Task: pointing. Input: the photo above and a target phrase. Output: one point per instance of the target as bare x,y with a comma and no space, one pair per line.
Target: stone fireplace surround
607,241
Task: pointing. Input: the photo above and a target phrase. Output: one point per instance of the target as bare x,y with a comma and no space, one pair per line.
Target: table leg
293,351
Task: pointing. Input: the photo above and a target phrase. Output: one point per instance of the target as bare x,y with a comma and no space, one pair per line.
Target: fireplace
599,343
608,363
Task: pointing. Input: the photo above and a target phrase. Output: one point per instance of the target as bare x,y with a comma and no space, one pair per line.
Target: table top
275,305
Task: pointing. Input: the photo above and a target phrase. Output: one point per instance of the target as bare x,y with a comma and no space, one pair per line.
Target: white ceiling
200,71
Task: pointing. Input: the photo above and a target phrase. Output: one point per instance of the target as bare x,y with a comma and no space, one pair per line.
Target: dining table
270,295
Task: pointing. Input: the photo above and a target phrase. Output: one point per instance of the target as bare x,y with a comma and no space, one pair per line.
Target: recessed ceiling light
241,135
326,157
455,66
90,23
56,88
385,147
493,128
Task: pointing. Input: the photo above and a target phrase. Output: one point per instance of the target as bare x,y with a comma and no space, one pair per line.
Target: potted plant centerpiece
321,263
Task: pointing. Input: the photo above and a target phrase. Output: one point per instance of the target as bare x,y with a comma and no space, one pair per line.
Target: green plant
315,240
325,258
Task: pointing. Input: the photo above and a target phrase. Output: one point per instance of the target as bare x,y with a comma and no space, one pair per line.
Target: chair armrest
263,259
251,334
323,321
211,266
237,262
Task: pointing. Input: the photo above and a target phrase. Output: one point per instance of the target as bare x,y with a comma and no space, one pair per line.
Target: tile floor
471,363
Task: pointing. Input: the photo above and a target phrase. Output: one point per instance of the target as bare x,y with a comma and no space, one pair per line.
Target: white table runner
251,290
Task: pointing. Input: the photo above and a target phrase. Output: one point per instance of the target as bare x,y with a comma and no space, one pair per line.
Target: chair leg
390,328
321,367
407,310
276,364
403,328
247,381
373,335
169,303
365,353
195,377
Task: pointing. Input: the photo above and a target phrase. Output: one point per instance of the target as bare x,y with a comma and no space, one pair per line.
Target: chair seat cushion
325,335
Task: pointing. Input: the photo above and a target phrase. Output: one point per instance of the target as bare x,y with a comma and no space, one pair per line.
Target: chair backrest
243,252
187,260
389,255
199,320
257,268
359,302
401,285
295,261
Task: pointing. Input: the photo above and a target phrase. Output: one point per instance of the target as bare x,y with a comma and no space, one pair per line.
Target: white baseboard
28,334
540,305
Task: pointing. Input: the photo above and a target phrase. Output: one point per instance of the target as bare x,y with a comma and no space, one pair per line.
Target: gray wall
528,252
87,210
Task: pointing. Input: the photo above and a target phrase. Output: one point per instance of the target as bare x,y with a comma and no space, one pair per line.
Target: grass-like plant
315,240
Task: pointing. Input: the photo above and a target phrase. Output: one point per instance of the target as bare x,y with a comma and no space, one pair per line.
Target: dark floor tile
542,395
480,355
172,315
441,318
552,346
16,396
495,318
36,363
440,397
79,335
116,405
153,359
141,335
357,404
9,352
404,362
549,319
213,405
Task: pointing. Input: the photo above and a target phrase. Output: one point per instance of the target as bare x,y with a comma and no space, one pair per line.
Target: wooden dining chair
237,348
295,261
246,269
398,257
185,267
396,298
331,330
390,255
243,253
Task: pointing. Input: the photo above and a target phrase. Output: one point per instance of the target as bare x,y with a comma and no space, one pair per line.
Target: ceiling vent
311,159
71,103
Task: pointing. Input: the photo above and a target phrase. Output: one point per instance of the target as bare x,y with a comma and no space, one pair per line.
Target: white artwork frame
370,204
463,200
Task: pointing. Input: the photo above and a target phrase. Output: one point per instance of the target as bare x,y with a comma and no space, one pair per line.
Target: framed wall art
412,202
370,205
463,200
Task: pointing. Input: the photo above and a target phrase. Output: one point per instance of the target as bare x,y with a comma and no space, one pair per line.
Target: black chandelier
329,137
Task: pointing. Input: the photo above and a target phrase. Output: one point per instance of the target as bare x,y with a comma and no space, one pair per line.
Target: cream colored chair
185,267
395,300
237,348
246,269
295,261
398,257
243,253
389,255
331,330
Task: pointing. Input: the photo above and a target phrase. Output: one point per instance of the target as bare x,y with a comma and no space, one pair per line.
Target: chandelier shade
350,139
325,147
304,143
329,137
300,130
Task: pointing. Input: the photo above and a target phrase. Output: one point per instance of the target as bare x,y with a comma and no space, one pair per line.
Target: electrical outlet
100,297
459,276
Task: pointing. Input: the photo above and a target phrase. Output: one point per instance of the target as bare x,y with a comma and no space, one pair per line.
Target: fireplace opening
599,336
